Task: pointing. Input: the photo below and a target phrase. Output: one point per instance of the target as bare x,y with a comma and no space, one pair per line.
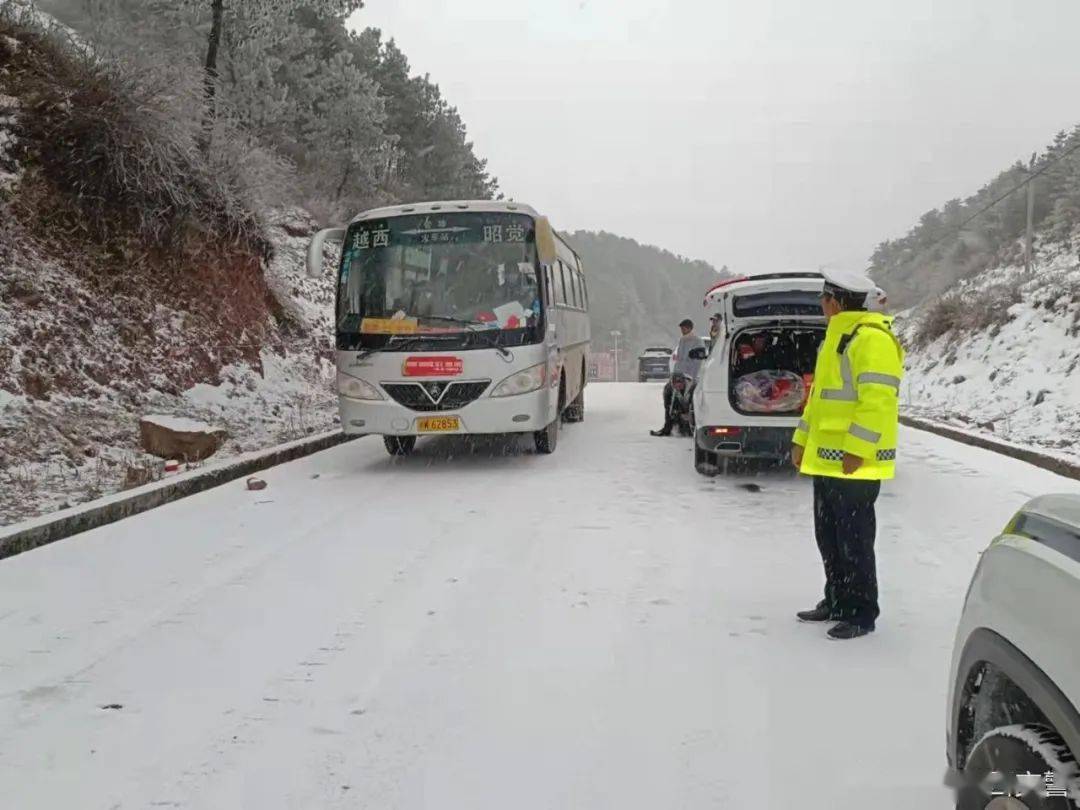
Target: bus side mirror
315,249
698,353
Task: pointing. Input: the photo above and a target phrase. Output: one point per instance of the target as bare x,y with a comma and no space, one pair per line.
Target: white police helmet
847,284
877,300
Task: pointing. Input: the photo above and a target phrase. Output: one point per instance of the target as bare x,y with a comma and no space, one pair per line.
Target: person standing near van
847,440
685,364
714,328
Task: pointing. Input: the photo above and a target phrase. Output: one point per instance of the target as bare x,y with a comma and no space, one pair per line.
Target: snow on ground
487,628
1019,381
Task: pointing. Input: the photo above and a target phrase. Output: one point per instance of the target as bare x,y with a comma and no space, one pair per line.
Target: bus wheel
575,411
547,438
399,445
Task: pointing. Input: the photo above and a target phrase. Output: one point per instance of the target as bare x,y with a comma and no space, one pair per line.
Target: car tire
399,445
1017,749
705,462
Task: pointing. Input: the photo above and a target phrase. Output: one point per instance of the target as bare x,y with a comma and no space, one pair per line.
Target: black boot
845,631
821,613
664,431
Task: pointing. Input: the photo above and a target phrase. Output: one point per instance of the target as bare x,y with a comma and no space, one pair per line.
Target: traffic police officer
846,440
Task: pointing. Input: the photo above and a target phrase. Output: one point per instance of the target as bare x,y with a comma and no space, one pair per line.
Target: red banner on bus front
432,366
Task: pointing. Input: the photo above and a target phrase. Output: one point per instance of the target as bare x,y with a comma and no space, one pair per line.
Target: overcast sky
762,134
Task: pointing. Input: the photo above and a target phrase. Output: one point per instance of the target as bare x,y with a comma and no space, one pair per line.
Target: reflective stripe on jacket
853,407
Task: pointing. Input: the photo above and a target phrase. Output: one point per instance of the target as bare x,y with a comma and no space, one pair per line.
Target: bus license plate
438,424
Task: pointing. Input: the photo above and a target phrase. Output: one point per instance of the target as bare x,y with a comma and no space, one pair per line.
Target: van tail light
724,431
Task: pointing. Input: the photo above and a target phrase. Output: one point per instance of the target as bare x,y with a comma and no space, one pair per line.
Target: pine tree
241,25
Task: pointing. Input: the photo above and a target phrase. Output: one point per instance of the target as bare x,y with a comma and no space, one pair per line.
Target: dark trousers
846,525
669,394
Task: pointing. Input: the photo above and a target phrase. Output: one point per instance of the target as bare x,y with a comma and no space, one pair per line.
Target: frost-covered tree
430,156
238,25
344,108
318,107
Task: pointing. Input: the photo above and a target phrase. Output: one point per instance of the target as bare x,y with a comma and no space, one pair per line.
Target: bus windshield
440,275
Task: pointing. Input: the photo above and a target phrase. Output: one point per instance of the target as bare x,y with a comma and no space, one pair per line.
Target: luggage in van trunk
772,369
772,391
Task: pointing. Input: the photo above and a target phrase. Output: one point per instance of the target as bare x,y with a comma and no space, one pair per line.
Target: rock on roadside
174,437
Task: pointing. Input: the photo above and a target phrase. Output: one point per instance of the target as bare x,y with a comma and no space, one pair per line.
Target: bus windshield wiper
466,322
475,328
405,341
397,342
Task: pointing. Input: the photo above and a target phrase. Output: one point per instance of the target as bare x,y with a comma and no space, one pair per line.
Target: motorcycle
681,413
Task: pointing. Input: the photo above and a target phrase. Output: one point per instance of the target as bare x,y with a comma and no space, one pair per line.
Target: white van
757,377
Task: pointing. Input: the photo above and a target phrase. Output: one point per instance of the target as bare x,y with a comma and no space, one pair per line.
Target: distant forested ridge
641,291
937,252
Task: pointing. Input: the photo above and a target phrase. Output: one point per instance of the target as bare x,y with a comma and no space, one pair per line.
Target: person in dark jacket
684,364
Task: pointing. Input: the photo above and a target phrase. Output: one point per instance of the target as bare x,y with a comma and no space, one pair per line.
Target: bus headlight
355,388
524,382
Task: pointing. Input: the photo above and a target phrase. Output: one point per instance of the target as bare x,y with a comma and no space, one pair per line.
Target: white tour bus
457,318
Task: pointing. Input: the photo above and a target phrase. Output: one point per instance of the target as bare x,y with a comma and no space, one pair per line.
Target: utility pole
615,334
1028,247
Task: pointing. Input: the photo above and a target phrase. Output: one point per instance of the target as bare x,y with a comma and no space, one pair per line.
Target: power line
1002,197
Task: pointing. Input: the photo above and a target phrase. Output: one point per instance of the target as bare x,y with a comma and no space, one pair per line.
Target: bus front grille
436,396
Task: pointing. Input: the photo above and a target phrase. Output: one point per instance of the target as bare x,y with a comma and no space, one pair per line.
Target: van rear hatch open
773,325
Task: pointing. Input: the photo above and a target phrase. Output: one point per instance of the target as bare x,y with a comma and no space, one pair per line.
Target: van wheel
705,462
1017,749
399,445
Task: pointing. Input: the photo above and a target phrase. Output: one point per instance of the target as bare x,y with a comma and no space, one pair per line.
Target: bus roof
482,206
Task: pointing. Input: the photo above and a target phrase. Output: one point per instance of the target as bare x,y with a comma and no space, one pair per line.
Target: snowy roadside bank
50,528
101,361
1046,461
999,358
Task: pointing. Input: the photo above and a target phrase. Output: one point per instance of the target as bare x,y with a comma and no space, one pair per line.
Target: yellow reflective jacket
853,407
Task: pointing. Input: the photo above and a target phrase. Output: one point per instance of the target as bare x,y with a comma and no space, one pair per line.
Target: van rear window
781,302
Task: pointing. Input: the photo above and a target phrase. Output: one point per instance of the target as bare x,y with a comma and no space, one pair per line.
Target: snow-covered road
602,628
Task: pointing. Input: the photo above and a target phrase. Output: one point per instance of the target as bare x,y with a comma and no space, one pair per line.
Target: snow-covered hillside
101,324
80,366
1010,367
